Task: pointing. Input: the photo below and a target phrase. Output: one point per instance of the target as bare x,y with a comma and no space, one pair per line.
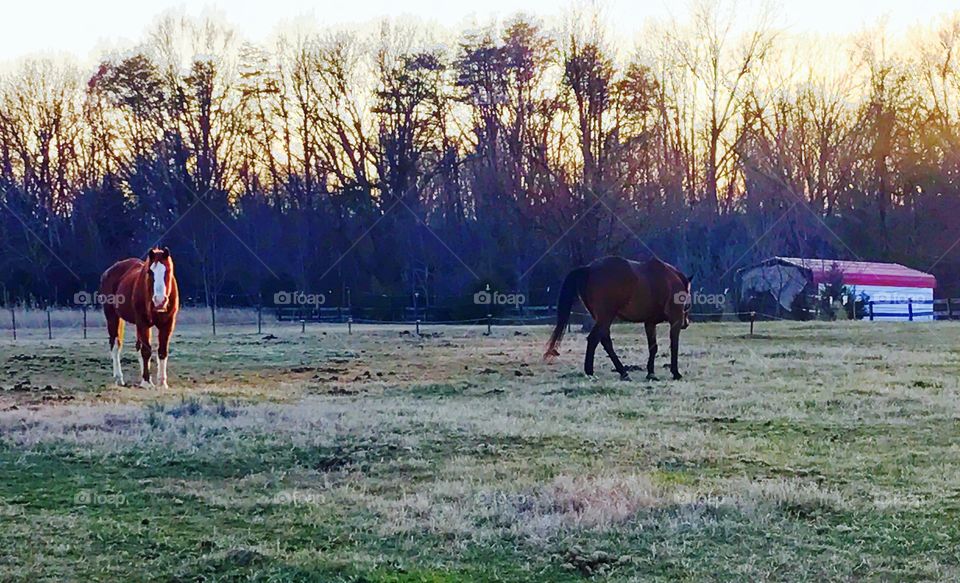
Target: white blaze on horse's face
159,283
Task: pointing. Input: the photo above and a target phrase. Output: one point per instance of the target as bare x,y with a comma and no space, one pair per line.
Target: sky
88,28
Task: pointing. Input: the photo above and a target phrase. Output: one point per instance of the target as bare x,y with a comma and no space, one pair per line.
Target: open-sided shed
896,292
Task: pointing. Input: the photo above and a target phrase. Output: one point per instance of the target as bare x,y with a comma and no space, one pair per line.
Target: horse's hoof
146,385
677,376
163,385
652,377
624,377
118,381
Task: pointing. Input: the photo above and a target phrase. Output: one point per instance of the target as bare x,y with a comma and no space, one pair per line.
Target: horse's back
650,271
613,274
119,281
111,278
656,269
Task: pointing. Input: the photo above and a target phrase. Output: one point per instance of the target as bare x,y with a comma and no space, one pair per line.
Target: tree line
394,164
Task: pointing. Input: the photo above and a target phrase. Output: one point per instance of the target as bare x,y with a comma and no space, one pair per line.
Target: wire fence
20,323
56,323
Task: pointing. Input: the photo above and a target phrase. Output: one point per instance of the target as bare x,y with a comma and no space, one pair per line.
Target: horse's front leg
143,342
163,350
674,350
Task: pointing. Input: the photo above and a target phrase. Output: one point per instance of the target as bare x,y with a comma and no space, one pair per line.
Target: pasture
807,452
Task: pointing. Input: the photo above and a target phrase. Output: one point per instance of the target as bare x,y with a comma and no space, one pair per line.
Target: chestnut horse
613,287
145,294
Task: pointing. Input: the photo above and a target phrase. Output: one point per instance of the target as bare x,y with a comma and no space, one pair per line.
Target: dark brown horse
613,287
145,294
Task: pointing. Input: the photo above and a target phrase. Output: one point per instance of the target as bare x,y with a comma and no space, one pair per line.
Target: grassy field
811,451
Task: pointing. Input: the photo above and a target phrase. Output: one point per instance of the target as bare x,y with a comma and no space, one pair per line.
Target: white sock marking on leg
115,359
162,372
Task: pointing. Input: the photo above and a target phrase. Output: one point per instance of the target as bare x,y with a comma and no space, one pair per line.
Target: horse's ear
166,253
152,255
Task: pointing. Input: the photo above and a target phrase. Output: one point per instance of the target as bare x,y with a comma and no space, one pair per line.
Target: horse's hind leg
674,351
115,332
651,330
601,328
607,343
592,340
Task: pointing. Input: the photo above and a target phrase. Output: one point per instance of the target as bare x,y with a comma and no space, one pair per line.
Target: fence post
871,311
753,317
13,318
349,324
949,311
49,325
84,309
213,315
910,308
259,318
489,324
303,325
418,327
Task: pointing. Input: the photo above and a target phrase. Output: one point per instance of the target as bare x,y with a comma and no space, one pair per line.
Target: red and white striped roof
864,272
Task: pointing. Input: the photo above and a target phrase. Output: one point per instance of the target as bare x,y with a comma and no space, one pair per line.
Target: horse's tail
569,291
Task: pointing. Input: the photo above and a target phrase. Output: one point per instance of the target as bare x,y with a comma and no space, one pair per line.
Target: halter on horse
145,294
